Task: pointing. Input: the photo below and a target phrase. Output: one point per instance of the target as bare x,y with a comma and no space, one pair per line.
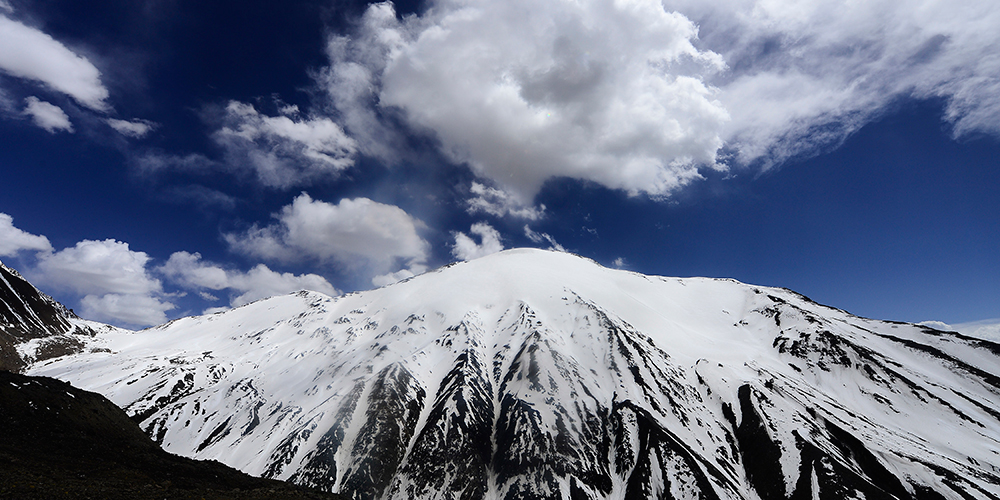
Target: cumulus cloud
14,240
636,96
536,237
47,115
465,248
285,150
603,91
31,54
190,271
132,309
352,231
135,128
99,267
261,282
113,280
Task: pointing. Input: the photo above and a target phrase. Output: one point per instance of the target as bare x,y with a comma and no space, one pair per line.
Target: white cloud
634,96
13,240
619,262
31,54
190,271
804,75
5,6
988,329
135,128
352,82
390,278
543,237
132,309
113,279
603,91
98,267
283,151
352,231
465,248
261,282
500,203
47,116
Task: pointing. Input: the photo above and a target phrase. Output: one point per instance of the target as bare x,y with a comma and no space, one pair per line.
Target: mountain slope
33,326
532,374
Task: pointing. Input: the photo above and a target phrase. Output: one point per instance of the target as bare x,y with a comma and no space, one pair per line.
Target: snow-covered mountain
533,374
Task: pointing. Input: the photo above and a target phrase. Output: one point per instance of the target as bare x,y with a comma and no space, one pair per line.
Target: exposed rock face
33,326
531,374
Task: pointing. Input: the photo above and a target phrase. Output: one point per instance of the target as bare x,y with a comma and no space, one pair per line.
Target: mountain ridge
34,326
532,374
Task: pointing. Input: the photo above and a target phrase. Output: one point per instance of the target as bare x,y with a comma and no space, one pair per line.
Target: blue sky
163,158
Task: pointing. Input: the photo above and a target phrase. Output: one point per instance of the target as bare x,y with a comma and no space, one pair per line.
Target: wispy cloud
199,196
134,128
285,150
189,271
155,161
499,203
803,76
31,54
537,237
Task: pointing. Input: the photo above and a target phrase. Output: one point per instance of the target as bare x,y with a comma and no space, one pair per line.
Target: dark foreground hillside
57,441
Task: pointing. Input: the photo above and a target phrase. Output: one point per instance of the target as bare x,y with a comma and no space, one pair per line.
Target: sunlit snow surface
532,374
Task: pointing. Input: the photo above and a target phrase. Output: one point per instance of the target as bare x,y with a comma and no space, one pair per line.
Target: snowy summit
536,374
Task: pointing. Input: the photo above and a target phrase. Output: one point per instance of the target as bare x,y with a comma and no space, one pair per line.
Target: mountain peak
537,374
